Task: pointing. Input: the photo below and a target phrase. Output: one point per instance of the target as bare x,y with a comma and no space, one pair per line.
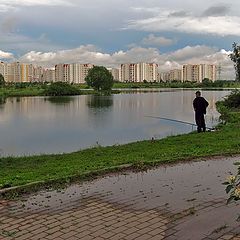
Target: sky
109,32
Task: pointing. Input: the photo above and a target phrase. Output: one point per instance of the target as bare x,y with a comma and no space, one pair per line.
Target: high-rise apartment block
48,75
128,72
138,72
20,72
175,75
72,73
116,73
197,72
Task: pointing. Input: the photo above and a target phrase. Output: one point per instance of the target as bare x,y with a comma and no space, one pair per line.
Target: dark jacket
200,105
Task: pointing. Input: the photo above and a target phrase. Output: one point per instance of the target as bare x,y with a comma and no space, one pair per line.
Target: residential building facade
138,72
197,72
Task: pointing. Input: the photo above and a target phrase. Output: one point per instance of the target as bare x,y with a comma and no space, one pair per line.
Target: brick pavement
118,211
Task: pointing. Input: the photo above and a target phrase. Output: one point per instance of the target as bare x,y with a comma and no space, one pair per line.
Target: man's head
198,94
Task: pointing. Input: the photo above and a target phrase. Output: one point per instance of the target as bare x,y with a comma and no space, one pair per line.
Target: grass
15,171
20,92
178,84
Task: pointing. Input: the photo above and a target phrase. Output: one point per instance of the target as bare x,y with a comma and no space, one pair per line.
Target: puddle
176,187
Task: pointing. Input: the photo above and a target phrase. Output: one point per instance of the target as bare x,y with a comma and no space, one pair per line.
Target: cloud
179,14
8,25
175,59
25,44
82,54
167,61
168,20
189,52
157,41
10,5
6,55
216,11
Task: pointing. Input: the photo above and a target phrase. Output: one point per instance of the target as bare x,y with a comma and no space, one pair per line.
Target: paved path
183,201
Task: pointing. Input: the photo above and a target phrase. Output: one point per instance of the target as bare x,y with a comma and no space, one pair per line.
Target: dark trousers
200,121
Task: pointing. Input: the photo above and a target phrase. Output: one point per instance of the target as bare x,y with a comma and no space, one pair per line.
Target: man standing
200,105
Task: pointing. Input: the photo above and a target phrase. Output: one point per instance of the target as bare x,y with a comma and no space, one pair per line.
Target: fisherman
200,105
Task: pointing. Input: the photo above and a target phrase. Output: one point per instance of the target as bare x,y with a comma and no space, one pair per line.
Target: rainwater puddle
176,187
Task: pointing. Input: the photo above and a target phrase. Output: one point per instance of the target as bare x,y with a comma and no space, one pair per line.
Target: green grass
16,171
20,92
178,84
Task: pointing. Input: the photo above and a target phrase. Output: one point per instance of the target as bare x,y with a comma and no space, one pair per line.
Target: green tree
2,81
235,57
100,79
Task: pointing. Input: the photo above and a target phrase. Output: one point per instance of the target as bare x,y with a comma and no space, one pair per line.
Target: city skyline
170,34
128,72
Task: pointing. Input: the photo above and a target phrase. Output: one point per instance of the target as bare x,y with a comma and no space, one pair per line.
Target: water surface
34,125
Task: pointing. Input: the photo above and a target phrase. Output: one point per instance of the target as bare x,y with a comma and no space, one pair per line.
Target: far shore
38,89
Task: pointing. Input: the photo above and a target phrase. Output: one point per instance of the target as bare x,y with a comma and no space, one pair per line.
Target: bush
233,187
61,89
2,81
233,100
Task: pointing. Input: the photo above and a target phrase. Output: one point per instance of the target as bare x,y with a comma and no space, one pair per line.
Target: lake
36,125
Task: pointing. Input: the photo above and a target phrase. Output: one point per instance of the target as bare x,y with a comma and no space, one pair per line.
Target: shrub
233,100
233,186
61,89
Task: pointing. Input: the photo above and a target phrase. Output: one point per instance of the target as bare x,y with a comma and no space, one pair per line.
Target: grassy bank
178,84
16,171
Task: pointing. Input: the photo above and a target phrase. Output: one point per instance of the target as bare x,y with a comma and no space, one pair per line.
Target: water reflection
33,125
2,101
60,100
96,101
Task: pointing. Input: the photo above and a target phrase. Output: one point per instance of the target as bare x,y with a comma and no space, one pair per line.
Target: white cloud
153,40
167,21
9,5
166,61
6,55
35,2
189,52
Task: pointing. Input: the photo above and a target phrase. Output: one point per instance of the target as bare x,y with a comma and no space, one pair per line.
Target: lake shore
37,89
61,168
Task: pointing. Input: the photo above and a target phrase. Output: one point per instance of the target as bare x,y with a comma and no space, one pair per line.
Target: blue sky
109,32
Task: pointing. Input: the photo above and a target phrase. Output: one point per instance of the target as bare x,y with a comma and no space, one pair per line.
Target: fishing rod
179,121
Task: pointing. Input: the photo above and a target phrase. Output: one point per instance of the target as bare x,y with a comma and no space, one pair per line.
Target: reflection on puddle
175,186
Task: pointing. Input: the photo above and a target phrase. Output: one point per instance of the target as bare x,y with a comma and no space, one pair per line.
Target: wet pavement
182,201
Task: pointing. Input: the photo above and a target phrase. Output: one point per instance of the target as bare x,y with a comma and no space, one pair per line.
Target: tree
100,79
2,81
235,57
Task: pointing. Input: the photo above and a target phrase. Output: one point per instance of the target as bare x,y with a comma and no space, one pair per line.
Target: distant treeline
178,84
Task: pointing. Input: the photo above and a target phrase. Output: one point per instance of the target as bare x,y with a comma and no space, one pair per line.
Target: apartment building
138,72
209,71
165,76
62,72
20,72
48,75
197,72
175,75
116,73
72,73
81,72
